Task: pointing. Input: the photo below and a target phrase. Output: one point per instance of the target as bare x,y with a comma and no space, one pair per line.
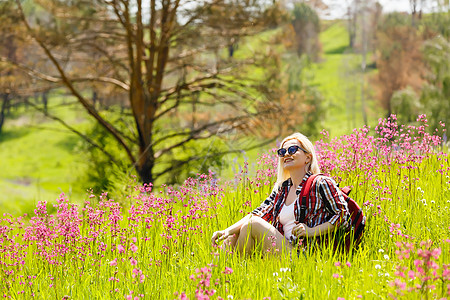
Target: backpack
354,235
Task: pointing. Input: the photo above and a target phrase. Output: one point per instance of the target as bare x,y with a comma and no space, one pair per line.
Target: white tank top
287,219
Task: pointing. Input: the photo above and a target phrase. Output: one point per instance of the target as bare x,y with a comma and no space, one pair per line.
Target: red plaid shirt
333,209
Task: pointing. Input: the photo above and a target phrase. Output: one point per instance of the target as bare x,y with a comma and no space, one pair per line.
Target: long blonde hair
313,166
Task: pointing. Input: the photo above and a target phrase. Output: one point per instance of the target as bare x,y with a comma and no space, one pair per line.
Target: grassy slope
339,79
38,159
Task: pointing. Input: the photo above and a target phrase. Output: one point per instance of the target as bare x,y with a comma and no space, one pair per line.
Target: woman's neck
297,176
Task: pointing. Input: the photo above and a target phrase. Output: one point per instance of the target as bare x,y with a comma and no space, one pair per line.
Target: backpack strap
304,197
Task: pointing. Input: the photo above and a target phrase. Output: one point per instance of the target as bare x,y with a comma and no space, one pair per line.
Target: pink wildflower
183,296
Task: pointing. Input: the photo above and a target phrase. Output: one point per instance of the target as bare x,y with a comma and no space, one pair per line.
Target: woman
275,223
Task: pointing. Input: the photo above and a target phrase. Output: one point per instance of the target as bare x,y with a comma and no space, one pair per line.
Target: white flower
230,297
386,257
275,274
380,250
377,267
284,269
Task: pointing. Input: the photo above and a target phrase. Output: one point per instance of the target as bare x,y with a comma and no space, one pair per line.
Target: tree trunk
45,101
144,166
3,110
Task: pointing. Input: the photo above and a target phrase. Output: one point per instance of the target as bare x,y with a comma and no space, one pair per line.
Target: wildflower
377,267
113,262
337,264
133,262
386,257
133,248
228,270
335,275
120,248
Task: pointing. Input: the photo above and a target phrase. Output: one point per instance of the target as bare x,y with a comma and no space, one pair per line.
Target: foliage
398,58
306,25
405,104
156,244
436,93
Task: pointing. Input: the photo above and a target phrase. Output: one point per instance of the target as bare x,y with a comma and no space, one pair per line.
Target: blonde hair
305,143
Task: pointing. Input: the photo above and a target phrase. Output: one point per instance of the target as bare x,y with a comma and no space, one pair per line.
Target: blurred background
95,93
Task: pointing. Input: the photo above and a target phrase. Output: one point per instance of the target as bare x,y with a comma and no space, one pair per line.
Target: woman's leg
258,231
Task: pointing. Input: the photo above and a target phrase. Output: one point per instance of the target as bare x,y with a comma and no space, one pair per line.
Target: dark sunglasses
291,150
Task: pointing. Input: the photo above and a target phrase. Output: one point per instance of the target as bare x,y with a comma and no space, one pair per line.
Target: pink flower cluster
202,278
421,270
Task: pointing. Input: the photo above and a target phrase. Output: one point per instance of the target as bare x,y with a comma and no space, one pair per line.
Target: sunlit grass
157,245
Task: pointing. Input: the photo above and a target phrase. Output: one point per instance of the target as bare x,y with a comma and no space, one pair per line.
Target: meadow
156,244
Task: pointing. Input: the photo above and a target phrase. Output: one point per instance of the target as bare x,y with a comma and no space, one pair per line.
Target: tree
11,80
398,58
436,92
168,60
306,25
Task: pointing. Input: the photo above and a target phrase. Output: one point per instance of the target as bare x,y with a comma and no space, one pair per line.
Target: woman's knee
258,224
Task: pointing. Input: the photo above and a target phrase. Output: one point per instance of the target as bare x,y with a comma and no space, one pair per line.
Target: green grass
169,257
39,158
338,77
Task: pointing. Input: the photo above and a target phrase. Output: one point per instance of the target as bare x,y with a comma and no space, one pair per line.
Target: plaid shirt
333,209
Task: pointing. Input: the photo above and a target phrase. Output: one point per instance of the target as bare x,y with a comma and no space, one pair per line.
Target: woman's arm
301,230
334,201
336,205
233,229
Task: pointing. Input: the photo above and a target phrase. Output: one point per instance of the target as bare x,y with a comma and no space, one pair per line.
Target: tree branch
85,137
180,164
91,110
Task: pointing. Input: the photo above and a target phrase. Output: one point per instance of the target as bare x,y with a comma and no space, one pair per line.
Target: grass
339,78
39,158
165,252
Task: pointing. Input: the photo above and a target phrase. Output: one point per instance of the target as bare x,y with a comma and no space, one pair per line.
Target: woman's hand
301,230
219,236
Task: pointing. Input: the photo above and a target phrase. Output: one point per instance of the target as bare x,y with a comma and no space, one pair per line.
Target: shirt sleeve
266,208
334,202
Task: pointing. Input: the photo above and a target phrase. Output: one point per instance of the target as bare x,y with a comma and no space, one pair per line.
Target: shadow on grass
69,143
338,50
8,135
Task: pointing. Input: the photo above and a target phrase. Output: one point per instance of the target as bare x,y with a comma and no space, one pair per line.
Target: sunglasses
291,150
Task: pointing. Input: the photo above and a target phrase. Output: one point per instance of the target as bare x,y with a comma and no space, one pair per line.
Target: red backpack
358,220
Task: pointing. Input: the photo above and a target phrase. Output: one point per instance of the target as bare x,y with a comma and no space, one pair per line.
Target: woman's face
298,160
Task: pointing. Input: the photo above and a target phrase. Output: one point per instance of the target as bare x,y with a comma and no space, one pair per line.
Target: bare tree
161,58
